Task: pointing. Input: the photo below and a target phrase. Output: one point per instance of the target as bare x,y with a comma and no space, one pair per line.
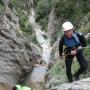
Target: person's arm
83,41
61,43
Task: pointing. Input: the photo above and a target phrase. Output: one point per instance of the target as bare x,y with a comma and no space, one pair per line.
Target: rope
76,50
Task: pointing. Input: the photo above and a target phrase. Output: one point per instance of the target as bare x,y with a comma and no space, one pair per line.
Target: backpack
72,42
19,87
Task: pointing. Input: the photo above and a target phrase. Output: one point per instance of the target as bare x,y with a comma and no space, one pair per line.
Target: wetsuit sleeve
83,40
61,43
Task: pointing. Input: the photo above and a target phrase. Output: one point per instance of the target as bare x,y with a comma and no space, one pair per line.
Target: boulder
83,84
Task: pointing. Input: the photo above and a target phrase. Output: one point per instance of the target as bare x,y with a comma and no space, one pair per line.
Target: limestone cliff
16,52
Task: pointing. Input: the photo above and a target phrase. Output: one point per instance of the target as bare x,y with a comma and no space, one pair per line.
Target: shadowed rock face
16,52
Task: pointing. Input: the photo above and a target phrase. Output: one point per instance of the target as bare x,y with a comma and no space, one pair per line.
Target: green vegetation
2,8
72,10
43,9
22,12
85,24
1,2
65,9
23,21
58,73
87,53
19,4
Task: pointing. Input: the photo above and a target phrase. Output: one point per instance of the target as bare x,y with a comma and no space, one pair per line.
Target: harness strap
75,38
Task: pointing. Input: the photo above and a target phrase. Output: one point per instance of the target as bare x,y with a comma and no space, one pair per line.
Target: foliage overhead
72,10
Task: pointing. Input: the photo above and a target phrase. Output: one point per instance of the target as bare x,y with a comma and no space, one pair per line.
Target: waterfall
44,43
37,76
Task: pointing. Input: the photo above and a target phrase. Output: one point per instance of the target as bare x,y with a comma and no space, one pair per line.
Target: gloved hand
80,47
73,52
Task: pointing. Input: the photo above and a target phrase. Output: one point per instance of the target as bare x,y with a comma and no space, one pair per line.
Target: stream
36,79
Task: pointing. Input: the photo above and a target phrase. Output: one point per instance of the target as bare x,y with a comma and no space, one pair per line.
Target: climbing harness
76,50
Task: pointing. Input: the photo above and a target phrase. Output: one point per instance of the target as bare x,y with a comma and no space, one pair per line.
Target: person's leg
68,63
83,65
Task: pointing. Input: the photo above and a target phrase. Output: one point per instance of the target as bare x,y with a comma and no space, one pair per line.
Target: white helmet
67,26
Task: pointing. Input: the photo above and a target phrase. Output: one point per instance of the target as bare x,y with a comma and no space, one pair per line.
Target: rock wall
53,26
83,84
16,52
78,85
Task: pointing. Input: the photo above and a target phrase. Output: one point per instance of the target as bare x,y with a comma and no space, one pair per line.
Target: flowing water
37,76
